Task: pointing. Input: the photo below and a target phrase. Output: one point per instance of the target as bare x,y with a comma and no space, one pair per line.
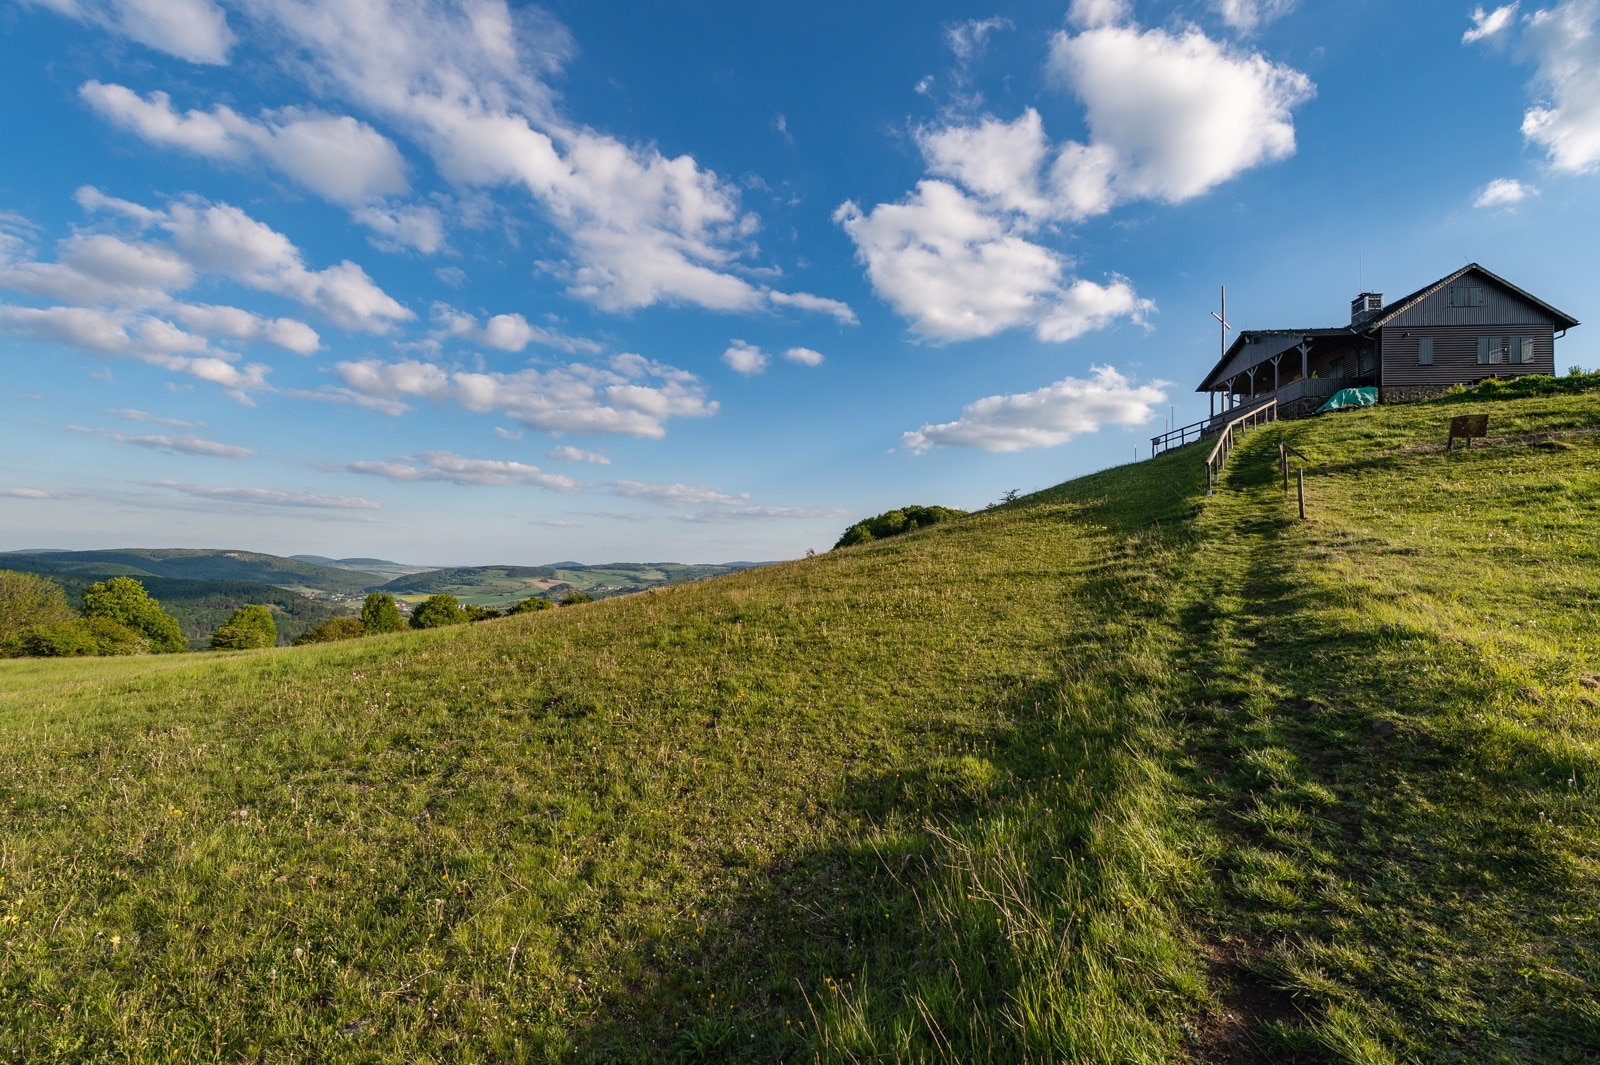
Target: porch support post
1275,360
1305,359
1252,373
1211,394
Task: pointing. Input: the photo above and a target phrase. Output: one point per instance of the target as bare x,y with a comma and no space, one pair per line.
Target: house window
1466,295
1336,368
1522,350
1424,351
1491,350
1367,361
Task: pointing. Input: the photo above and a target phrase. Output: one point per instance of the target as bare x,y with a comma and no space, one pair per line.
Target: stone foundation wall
1301,408
1413,394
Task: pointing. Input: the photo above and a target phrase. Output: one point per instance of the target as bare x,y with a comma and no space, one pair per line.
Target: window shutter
1424,351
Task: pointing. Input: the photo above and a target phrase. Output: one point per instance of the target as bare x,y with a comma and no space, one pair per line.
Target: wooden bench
1467,426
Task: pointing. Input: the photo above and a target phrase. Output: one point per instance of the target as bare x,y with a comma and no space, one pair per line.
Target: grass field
1115,773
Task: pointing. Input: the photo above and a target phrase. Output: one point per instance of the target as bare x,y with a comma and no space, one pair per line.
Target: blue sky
477,282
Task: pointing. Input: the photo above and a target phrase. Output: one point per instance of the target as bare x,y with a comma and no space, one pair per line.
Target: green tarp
1350,397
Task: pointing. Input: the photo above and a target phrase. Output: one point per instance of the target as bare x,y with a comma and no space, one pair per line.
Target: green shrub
250,626
574,598
529,605
438,610
28,601
380,613
895,523
78,637
479,613
332,630
1534,384
124,601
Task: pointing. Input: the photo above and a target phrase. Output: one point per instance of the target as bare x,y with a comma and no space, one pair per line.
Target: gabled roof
1405,303
1382,316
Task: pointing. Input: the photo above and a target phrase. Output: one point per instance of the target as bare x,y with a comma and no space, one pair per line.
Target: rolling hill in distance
1120,771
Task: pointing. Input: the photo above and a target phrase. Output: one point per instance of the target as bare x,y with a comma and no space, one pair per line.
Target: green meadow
1118,772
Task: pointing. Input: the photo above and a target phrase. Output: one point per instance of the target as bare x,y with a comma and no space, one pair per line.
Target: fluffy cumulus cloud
804,356
1504,192
1171,115
503,332
1564,43
196,30
457,469
468,84
628,395
118,294
1044,418
744,358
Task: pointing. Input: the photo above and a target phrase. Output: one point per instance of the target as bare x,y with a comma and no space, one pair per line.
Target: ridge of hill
1116,772
495,586
192,564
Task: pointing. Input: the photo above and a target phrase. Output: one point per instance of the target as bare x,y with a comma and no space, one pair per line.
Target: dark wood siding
1455,353
1455,332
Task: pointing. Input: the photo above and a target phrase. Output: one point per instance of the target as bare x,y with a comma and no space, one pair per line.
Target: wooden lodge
1459,330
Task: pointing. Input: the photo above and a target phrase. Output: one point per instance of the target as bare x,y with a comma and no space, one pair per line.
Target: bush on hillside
79,637
28,601
479,613
250,626
380,613
332,630
574,598
124,601
1534,384
529,605
438,610
895,523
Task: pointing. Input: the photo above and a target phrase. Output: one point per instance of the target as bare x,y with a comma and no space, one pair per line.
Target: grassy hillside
191,564
1114,773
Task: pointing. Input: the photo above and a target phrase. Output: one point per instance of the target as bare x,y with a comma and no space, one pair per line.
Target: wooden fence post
1300,490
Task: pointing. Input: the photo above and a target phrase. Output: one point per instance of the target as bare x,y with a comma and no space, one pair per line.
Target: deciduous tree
124,600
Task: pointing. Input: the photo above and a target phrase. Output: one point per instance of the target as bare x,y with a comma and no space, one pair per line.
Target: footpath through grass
1115,773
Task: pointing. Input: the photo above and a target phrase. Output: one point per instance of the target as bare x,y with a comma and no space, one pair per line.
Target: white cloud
272,497
457,469
959,270
1490,25
744,358
1246,16
196,30
1088,14
212,320
567,453
1044,418
468,84
1504,192
1170,117
702,503
188,444
630,396
131,415
504,332
35,493
1564,42
417,227
968,39
805,301
804,356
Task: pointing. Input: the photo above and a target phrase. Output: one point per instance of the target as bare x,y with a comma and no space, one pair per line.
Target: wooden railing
1266,412
1177,437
